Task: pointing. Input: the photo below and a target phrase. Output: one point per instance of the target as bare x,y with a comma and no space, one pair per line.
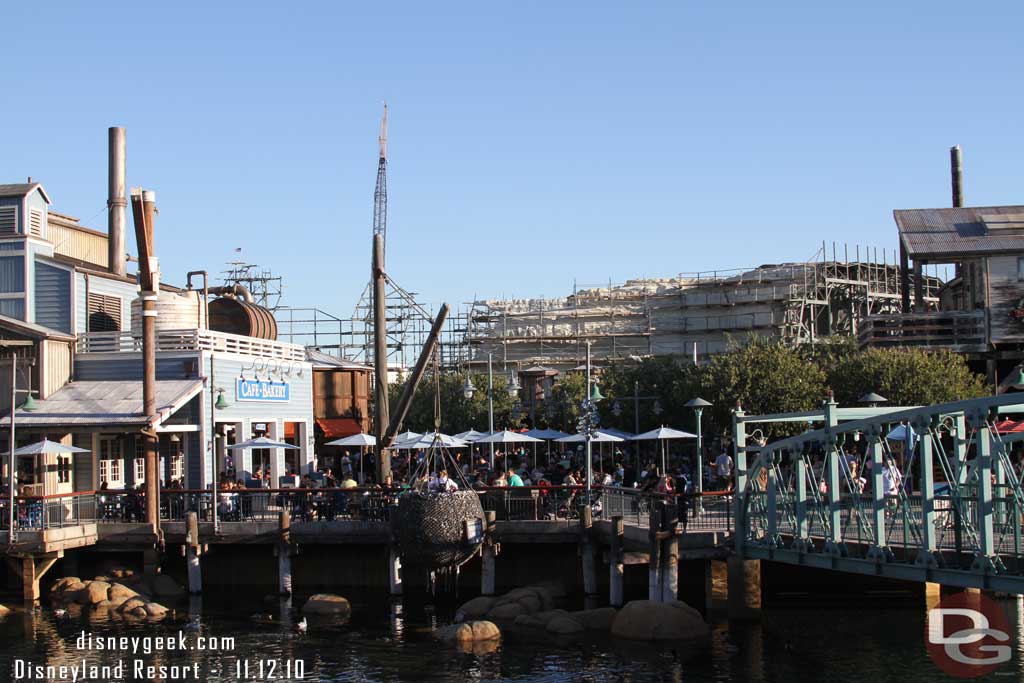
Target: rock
555,589
531,603
470,631
539,620
94,592
326,603
564,626
4,609
599,619
547,600
155,610
507,612
67,589
474,609
132,604
527,597
139,612
648,620
166,587
119,593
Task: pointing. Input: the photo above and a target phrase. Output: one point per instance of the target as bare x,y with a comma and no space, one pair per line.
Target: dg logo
968,635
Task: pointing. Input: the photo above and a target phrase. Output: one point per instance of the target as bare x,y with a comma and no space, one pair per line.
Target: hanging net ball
431,527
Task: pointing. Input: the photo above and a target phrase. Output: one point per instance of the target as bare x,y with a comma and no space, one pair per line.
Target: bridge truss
942,504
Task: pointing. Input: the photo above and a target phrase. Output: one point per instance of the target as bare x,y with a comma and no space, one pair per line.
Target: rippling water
383,642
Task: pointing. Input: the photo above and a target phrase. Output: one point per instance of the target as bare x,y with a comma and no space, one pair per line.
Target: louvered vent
8,220
35,222
104,313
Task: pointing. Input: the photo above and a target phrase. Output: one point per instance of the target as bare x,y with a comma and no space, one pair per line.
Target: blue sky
532,143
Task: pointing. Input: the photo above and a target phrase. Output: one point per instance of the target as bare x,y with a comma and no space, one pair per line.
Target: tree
763,377
567,395
670,380
457,412
906,377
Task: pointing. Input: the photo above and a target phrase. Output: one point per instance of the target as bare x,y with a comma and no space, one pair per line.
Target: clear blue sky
532,143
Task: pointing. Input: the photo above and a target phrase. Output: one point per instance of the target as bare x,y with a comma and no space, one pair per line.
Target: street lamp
698,404
513,384
872,399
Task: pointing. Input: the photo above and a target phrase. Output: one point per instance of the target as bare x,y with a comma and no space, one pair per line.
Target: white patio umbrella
599,436
470,436
900,434
361,440
405,436
661,434
260,442
427,440
505,436
49,447
548,435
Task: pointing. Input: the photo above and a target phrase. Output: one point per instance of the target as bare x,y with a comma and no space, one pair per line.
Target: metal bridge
921,494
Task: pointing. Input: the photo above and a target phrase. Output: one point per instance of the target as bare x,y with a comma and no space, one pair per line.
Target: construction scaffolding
693,314
265,287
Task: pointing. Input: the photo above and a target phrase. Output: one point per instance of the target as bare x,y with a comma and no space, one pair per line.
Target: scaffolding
693,314
265,287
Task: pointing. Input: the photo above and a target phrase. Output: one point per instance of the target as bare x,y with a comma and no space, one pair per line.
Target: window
63,469
177,467
8,220
140,470
104,313
110,462
35,222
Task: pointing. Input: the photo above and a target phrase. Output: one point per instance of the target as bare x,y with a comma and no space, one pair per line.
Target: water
384,643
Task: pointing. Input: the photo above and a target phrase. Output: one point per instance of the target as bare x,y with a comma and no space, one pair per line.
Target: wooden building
981,310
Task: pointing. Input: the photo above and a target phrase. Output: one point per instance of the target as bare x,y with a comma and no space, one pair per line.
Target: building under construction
695,315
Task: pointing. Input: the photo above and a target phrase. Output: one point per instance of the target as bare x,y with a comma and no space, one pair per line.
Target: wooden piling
488,552
587,554
284,555
654,565
669,554
394,571
192,552
615,563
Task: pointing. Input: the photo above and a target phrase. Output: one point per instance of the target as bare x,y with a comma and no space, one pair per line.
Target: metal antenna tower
380,193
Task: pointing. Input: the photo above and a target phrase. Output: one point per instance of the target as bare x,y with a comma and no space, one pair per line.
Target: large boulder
67,589
132,604
649,620
327,604
474,609
564,626
94,593
470,631
506,612
538,621
599,619
118,594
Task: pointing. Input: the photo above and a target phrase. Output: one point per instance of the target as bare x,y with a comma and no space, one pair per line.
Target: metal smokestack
117,200
956,172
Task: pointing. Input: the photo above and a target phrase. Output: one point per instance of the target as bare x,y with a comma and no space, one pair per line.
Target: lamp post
698,404
468,390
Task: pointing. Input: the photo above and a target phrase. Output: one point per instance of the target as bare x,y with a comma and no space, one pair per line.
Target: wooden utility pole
143,211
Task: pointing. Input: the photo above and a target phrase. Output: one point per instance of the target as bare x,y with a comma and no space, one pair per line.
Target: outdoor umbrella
598,437
470,436
508,437
661,434
427,440
900,434
405,436
49,447
361,440
260,442
548,435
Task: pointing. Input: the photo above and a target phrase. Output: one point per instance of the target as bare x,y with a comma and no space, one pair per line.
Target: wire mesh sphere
430,527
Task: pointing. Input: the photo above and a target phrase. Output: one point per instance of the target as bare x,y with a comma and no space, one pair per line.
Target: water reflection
390,641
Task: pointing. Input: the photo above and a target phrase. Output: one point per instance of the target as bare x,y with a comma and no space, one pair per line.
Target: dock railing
124,341
35,513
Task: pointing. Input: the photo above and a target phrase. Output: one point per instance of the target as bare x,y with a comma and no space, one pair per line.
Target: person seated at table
348,482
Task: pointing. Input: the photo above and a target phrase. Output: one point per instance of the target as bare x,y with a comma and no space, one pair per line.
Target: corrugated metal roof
33,330
83,404
21,189
947,233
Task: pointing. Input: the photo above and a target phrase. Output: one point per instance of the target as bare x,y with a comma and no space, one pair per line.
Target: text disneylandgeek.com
156,658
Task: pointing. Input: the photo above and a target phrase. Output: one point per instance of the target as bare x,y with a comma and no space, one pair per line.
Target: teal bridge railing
928,493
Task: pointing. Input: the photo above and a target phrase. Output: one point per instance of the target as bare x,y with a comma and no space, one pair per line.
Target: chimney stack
956,171
116,201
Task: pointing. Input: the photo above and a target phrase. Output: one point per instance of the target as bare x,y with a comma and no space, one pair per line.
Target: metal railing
941,329
34,513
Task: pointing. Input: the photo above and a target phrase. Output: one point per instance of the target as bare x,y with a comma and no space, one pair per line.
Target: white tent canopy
354,440
428,440
546,434
405,436
471,435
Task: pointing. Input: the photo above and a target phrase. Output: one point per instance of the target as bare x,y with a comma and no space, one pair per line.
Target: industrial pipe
237,290
116,201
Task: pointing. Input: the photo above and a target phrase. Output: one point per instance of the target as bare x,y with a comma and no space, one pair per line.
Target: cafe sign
260,390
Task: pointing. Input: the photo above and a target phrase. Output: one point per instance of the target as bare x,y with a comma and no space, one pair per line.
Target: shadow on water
386,640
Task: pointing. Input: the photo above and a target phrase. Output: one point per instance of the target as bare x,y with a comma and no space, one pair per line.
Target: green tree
671,381
906,377
457,412
764,377
567,395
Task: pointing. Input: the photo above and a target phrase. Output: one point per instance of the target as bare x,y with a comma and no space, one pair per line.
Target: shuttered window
104,313
8,220
35,222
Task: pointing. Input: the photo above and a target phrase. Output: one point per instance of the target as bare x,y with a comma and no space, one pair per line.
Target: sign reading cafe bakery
260,390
